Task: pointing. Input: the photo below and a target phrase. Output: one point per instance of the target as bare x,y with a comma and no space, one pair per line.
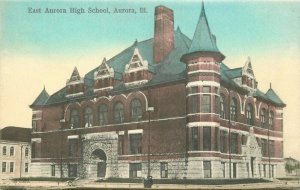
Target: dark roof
274,97
234,73
203,39
15,134
41,99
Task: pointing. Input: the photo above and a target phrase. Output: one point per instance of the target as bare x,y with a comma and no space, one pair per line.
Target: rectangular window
223,141
207,169
135,143
272,170
271,148
206,138
34,126
135,170
265,170
206,103
52,170
121,144
33,144
264,147
3,167
72,147
72,169
11,167
223,169
234,170
206,89
259,170
194,99
234,143
216,138
216,103
26,167
4,150
164,170
194,141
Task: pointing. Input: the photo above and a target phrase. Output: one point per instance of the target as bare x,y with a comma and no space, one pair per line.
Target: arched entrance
98,157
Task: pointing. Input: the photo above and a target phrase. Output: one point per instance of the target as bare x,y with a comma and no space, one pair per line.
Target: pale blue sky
240,27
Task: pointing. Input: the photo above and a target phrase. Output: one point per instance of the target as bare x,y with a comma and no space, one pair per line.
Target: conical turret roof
41,99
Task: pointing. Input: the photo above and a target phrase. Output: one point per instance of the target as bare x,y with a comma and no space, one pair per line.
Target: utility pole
148,182
229,131
269,142
21,161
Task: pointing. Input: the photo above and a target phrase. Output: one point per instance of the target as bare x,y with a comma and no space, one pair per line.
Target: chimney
163,33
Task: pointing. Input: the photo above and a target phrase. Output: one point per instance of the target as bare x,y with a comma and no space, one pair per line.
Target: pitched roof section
41,99
274,97
203,39
75,76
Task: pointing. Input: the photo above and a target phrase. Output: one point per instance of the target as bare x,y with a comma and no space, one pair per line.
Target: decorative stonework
104,71
136,63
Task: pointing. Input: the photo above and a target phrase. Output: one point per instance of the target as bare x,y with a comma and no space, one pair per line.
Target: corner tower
202,85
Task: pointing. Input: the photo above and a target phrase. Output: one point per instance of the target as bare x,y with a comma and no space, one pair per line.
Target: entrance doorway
99,158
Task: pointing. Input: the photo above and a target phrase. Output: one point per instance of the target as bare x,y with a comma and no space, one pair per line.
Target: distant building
14,152
292,166
207,121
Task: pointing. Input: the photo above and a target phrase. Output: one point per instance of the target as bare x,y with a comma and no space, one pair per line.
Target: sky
42,49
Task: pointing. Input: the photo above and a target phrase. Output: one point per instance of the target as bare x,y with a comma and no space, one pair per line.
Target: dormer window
75,85
136,71
104,77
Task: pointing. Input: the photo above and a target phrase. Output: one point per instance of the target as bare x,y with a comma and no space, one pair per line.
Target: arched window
74,118
11,151
102,111
271,120
222,107
249,114
263,118
136,110
88,117
118,112
233,109
26,152
4,151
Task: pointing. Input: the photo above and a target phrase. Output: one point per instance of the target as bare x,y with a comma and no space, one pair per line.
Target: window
249,114
223,169
259,170
271,148
271,120
222,107
207,169
135,143
234,170
135,170
121,144
72,147
244,139
206,89
265,170
3,167
216,138
216,104
4,150
72,169
272,171
11,167
233,109
34,126
264,147
194,100
33,149
164,170
223,141
88,117
136,110
11,151
118,112
26,152
263,118
74,119
234,143
194,141
53,170
26,167
206,138
206,103
102,110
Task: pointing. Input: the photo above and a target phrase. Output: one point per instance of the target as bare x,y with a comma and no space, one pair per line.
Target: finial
44,87
135,42
178,29
202,6
270,85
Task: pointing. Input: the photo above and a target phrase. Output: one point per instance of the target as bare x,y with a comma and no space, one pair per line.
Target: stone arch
250,100
69,107
141,96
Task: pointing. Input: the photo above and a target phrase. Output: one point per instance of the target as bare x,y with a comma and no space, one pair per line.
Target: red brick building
207,117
